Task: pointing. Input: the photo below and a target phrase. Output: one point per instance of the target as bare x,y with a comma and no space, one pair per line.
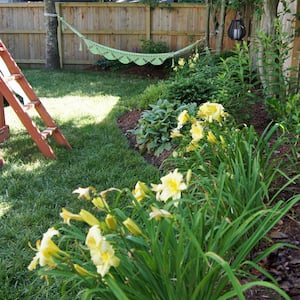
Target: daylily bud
111,222
132,227
89,218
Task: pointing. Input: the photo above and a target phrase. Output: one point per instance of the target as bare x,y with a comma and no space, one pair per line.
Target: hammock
126,57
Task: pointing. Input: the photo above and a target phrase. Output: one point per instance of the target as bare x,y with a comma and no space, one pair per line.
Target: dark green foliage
153,130
199,87
150,46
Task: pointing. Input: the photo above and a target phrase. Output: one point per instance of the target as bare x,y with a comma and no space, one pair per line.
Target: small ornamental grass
189,236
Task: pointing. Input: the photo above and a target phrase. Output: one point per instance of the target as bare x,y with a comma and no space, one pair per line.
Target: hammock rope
126,57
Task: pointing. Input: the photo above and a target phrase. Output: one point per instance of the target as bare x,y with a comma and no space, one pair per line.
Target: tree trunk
52,54
267,28
220,35
207,29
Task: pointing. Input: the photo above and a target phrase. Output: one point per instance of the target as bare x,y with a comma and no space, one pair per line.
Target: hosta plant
154,127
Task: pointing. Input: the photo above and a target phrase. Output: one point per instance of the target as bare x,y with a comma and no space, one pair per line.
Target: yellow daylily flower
140,191
196,56
157,213
46,251
102,253
183,118
171,186
181,62
89,218
84,192
197,131
68,216
211,111
132,227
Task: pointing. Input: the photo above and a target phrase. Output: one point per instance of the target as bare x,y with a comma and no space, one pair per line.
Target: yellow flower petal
197,132
183,118
89,218
46,250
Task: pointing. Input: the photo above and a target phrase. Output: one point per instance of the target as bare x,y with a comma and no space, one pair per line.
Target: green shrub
236,80
150,46
198,87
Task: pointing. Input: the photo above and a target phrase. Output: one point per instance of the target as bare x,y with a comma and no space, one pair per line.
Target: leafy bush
236,79
193,79
150,46
154,127
199,88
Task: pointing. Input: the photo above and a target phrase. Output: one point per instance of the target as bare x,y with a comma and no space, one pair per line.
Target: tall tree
52,54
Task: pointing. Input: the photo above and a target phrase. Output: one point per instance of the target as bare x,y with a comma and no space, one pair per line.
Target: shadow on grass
33,189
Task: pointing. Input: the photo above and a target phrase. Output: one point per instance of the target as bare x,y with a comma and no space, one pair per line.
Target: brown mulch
284,263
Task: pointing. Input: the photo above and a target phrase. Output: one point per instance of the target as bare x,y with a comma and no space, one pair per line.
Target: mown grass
33,189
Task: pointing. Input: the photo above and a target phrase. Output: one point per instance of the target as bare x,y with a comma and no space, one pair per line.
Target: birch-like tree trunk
52,54
267,28
220,34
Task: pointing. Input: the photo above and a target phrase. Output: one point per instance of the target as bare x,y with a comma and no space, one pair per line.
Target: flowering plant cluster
194,131
189,63
108,238
187,237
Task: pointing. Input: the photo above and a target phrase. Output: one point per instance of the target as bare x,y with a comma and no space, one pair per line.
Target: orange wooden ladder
13,83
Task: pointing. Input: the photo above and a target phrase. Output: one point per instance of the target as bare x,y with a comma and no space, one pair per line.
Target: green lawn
33,189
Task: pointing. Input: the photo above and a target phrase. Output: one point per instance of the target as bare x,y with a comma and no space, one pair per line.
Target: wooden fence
117,25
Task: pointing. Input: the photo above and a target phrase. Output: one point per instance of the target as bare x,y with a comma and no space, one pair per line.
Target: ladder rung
13,77
47,132
31,104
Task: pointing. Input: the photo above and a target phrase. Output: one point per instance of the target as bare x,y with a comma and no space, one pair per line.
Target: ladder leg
12,82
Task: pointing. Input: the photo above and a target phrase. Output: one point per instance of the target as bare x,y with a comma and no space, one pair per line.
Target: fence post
59,36
148,22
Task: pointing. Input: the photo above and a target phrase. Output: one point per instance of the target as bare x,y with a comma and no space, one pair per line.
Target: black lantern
237,30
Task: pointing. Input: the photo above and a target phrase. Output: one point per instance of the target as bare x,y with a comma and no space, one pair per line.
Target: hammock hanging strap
126,57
